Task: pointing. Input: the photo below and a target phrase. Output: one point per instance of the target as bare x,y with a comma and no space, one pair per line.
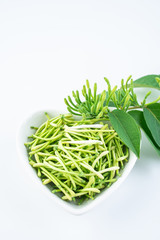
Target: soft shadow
148,157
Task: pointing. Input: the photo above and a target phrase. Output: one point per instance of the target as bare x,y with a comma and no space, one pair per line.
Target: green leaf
147,81
127,129
152,118
139,118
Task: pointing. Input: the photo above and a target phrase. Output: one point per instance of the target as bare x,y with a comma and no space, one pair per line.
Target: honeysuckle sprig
124,100
97,105
92,105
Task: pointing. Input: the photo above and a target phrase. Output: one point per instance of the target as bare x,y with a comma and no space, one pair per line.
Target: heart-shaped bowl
24,131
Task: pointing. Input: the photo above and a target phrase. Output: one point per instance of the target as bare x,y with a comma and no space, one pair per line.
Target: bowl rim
23,157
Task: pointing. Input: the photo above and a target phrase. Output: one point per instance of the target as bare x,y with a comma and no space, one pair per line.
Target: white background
47,49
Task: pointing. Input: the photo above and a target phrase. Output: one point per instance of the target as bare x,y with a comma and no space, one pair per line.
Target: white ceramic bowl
24,131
